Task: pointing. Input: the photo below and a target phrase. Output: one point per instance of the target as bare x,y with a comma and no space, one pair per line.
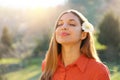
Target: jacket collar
81,62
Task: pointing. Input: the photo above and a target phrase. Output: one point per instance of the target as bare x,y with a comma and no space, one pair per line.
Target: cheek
57,32
77,33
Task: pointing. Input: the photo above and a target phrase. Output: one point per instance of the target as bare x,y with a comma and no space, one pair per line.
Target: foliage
90,8
109,31
115,76
6,42
42,45
85,2
109,36
6,37
98,45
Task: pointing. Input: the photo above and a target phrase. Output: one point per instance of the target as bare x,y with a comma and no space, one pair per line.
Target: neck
70,53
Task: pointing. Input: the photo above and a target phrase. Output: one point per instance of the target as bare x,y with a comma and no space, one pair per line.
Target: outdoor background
26,27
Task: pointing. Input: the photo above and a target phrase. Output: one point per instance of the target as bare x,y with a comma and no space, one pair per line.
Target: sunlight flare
30,3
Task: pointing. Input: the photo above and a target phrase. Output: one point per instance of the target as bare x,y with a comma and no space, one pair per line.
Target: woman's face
68,29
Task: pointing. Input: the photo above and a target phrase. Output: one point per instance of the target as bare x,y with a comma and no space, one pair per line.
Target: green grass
25,74
115,73
115,76
114,70
31,70
9,61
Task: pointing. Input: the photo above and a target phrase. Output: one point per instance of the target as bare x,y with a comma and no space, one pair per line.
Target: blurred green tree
109,36
42,45
6,37
109,31
5,43
90,8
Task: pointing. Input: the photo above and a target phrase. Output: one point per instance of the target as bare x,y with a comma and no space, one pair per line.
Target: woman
71,54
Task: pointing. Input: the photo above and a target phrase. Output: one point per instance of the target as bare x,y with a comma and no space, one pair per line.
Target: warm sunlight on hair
30,3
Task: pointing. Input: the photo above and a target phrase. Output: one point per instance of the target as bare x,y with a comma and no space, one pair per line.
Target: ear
83,35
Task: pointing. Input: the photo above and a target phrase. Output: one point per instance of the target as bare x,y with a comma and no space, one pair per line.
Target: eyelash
69,24
72,24
59,24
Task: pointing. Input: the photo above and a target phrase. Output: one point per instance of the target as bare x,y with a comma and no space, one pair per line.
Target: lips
64,34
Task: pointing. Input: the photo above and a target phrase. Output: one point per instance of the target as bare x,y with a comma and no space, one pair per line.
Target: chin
64,42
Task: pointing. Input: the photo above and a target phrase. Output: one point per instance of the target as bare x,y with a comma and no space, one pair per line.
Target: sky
30,3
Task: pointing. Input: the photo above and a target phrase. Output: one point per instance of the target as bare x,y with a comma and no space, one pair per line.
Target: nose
65,27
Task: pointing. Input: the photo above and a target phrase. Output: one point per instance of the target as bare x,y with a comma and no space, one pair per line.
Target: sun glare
30,3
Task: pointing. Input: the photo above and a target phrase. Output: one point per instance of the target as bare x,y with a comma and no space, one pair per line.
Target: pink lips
64,34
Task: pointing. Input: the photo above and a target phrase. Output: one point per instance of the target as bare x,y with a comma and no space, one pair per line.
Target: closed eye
72,24
59,25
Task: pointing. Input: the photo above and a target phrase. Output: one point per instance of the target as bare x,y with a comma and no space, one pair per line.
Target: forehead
68,16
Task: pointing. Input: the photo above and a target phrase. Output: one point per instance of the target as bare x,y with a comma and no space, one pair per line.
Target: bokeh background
26,27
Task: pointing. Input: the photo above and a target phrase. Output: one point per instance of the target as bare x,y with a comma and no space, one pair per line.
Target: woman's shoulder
98,66
98,70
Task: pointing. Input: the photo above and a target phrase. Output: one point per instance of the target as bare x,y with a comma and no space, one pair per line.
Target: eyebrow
69,20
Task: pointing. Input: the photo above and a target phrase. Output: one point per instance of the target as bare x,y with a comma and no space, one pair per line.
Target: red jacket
82,69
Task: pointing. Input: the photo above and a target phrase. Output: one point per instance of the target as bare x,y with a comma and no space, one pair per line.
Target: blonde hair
87,47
